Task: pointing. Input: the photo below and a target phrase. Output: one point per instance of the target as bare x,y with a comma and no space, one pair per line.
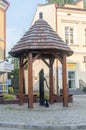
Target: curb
12,125
43,127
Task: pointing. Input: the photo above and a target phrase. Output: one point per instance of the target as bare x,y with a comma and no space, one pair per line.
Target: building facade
69,21
3,8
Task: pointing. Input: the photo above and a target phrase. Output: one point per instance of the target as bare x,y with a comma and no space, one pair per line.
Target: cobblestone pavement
66,118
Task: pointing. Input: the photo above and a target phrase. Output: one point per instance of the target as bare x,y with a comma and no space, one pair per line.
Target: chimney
80,4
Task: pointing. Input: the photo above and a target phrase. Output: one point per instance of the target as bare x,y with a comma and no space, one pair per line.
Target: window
69,38
71,79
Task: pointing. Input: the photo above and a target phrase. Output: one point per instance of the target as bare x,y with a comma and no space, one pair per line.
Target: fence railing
3,88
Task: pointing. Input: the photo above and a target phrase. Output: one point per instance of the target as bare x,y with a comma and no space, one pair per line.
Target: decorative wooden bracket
58,57
36,57
46,62
24,63
22,60
51,61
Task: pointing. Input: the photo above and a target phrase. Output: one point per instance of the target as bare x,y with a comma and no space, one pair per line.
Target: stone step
76,91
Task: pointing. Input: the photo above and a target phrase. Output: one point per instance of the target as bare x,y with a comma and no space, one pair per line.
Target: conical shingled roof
40,37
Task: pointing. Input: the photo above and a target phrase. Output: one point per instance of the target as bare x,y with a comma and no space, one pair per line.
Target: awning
5,67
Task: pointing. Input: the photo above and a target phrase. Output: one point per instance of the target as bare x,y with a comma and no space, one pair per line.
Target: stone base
55,98
59,98
35,98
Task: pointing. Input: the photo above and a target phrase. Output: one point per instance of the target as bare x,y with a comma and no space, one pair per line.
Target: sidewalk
55,117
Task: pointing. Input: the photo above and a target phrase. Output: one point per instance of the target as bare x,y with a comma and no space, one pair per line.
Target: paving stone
55,116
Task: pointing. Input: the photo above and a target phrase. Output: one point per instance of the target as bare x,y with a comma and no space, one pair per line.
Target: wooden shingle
40,37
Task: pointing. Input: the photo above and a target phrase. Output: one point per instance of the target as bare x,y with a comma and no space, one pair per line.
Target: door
71,79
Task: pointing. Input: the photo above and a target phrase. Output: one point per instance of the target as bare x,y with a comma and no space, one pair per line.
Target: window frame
68,33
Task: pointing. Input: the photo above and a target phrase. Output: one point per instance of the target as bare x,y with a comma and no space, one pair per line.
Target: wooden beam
36,57
64,79
20,82
58,57
57,85
30,82
51,80
52,61
46,62
24,63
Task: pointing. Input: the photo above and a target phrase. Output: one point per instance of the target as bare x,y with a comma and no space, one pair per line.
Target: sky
19,16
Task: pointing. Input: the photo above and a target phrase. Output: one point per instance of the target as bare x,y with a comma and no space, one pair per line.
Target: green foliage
16,91
14,61
14,75
8,96
62,2
46,95
85,4
10,90
36,93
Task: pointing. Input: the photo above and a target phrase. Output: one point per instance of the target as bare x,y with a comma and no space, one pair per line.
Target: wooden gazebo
41,42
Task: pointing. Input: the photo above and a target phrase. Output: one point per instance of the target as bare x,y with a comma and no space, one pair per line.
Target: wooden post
64,78
20,83
57,86
51,81
30,82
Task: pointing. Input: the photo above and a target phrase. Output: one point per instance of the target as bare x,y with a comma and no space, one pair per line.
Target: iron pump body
41,87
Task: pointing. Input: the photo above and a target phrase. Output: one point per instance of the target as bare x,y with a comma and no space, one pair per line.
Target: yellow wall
3,7
2,33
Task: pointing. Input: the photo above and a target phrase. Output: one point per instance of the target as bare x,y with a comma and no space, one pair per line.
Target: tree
14,75
85,4
62,2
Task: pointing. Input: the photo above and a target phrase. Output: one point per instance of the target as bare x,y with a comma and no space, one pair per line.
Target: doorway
71,79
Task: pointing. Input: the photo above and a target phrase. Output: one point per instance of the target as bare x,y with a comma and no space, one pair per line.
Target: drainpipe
56,5
8,4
